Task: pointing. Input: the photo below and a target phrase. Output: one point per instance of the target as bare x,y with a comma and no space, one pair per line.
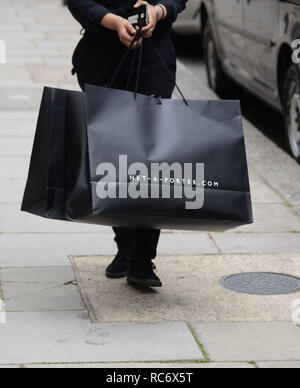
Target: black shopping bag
119,158
46,188
78,132
127,130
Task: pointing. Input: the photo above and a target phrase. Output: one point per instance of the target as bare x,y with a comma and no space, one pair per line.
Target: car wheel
291,100
218,81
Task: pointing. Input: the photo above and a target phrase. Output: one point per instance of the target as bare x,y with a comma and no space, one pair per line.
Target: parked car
251,41
189,20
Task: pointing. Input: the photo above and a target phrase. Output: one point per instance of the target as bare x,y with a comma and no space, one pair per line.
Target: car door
229,16
261,24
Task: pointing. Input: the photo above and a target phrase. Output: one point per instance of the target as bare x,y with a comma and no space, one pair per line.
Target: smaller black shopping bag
46,188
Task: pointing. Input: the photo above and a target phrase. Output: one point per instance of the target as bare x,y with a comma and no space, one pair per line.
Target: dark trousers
141,242
96,70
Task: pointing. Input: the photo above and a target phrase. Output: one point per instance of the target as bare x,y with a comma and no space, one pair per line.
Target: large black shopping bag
46,188
89,146
140,148
124,159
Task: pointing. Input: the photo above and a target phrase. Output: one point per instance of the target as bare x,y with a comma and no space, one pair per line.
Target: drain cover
262,283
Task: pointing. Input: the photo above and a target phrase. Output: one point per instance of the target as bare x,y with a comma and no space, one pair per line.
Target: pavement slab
21,98
17,126
250,341
52,75
257,242
260,191
176,243
192,290
11,191
12,36
47,296
12,220
272,164
53,249
45,250
16,129
297,209
39,289
37,275
272,218
14,167
19,60
206,365
14,72
11,146
18,115
279,365
59,337
19,43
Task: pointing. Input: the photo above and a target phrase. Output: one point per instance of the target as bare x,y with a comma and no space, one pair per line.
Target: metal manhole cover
262,283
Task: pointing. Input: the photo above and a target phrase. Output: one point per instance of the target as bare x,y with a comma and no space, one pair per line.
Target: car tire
291,108
218,81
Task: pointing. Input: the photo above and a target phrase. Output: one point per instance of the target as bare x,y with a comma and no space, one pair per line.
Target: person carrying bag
107,33
122,153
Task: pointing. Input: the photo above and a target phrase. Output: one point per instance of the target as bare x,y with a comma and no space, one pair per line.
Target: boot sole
111,275
147,283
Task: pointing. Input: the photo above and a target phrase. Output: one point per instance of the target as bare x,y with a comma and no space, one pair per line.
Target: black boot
141,273
119,268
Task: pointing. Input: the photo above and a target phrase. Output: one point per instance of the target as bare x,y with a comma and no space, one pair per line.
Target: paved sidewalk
47,318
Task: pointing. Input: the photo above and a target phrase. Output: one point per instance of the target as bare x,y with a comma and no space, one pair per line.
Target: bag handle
139,35
112,80
138,71
156,51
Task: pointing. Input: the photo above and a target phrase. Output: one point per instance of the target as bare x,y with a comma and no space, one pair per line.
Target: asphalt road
264,118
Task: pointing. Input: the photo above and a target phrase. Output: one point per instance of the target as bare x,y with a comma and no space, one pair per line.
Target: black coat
89,13
100,51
